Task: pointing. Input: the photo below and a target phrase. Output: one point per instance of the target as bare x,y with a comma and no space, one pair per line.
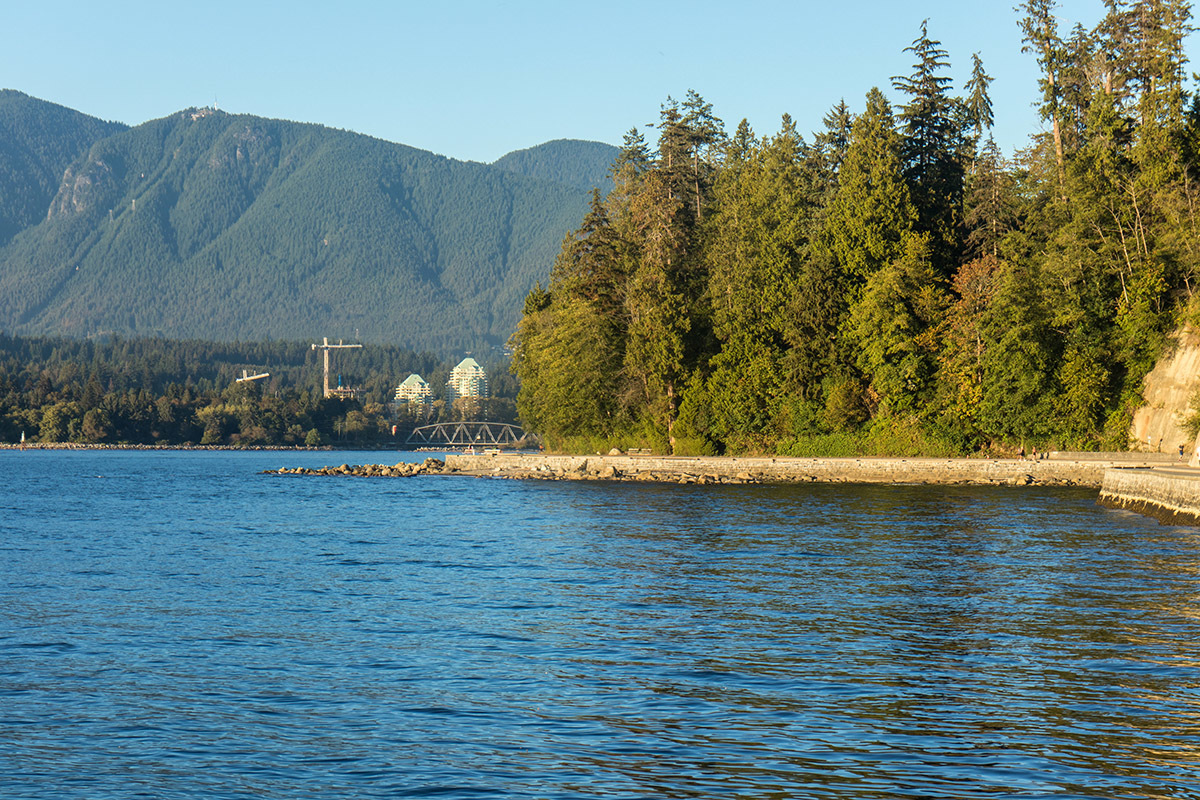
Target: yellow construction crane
326,347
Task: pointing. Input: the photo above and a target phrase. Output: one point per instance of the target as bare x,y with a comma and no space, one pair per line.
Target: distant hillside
570,162
38,140
217,226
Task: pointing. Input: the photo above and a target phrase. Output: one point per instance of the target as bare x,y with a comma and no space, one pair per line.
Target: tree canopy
896,284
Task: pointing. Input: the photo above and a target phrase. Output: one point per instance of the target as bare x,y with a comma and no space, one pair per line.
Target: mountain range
220,226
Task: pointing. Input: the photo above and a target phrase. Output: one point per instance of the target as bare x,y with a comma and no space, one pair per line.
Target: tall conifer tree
932,147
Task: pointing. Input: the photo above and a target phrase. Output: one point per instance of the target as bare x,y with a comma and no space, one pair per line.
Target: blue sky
475,80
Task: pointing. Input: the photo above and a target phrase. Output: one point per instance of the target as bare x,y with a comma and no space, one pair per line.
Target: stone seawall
1147,486
674,469
1169,494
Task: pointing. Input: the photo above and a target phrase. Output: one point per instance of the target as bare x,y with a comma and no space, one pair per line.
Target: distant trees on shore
157,391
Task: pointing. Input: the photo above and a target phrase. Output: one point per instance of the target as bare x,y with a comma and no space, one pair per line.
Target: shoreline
1148,484
1085,472
288,448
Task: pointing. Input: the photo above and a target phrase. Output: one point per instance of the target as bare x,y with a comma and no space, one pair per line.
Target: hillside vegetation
894,284
584,165
216,226
38,141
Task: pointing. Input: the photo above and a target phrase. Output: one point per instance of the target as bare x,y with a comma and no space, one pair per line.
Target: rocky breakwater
430,466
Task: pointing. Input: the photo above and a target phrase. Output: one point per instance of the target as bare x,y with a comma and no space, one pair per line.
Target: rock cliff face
82,189
1158,425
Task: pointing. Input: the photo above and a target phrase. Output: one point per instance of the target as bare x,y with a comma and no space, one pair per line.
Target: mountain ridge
231,226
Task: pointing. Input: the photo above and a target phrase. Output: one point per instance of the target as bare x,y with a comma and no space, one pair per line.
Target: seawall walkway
1053,471
1169,494
1152,484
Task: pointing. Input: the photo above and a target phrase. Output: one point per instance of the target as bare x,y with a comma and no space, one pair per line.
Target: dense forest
38,141
215,226
894,284
570,162
155,391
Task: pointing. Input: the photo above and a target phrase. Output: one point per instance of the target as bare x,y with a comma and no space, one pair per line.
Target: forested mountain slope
584,165
38,140
209,225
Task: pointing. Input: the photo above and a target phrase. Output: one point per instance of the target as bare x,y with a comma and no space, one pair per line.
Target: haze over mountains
217,226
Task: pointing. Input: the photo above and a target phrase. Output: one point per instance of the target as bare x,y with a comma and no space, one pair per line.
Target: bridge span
468,434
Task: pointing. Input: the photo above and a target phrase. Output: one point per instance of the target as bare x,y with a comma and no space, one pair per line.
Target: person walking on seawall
1181,452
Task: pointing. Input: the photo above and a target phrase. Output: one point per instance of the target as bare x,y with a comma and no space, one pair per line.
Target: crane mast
325,347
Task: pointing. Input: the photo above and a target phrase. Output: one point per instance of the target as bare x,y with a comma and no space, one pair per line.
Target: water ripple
195,630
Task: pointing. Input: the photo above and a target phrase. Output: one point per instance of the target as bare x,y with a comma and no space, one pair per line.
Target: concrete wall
1171,495
1087,473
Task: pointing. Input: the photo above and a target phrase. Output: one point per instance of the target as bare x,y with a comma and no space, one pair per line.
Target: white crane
326,347
247,377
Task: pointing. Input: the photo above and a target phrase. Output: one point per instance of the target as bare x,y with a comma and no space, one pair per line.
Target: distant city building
467,380
414,389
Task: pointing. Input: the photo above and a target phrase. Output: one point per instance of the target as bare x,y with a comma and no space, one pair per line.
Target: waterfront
176,625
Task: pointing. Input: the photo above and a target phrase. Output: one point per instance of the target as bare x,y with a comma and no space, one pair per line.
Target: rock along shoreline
1145,483
1086,472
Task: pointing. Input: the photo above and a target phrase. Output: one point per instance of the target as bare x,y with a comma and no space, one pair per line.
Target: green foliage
155,391
845,406
210,225
883,291
886,436
1020,350
829,445
38,141
891,326
911,437
872,210
581,165
934,144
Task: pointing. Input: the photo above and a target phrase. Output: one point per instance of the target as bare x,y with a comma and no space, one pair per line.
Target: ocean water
177,625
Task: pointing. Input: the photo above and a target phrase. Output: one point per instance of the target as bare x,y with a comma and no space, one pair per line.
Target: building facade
467,380
414,389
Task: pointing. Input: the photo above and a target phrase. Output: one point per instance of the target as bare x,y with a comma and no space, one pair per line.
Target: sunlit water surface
177,625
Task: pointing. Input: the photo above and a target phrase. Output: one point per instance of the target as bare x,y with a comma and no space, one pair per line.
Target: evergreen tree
892,326
830,146
1018,354
706,135
755,247
656,303
978,103
569,347
872,209
932,148
962,366
740,148
632,160
1040,36
991,204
